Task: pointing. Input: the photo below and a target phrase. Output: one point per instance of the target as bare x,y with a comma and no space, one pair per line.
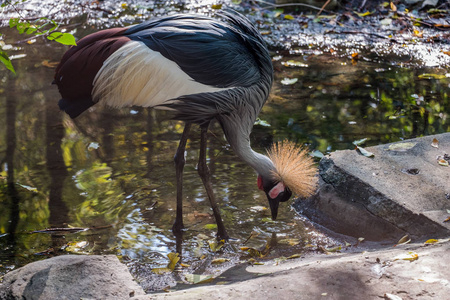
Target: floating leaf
411,256
215,245
217,261
252,251
293,63
254,262
435,143
364,152
216,6
393,7
289,81
347,244
211,226
290,242
161,271
288,17
401,147
431,76
197,278
294,256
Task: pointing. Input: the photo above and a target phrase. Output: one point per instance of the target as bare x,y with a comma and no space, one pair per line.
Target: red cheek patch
276,190
260,183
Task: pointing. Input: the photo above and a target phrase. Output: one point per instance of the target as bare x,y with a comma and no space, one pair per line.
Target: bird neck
238,135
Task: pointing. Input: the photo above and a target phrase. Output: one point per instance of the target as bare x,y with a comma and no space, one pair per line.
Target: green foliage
4,58
41,26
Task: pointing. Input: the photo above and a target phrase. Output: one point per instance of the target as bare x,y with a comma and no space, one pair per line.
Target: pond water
109,174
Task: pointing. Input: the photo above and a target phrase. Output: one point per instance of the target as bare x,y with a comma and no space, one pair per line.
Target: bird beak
274,203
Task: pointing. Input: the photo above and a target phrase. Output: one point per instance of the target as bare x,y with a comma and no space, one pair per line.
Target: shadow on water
111,171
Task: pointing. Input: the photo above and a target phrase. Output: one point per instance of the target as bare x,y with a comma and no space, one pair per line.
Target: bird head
294,173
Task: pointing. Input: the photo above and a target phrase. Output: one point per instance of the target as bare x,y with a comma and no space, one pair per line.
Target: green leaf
4,58
13,22
63,38
21,27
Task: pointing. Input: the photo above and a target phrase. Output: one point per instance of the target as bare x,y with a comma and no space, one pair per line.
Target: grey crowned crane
200,68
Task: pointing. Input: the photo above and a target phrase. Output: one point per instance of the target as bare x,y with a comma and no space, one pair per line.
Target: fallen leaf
198,278
431,241
448,219
443,162
401,147
391,297
404,240
294,256
435,143
364,152
411,256
185,265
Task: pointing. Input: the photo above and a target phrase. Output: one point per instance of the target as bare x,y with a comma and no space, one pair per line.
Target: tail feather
76,72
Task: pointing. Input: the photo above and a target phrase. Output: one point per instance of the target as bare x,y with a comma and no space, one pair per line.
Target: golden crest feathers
294,167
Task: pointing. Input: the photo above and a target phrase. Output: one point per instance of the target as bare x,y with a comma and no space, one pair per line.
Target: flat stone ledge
394,193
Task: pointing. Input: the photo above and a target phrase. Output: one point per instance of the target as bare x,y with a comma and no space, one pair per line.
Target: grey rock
71,277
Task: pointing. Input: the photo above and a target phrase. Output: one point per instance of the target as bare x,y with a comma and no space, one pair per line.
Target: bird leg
205,175
180,160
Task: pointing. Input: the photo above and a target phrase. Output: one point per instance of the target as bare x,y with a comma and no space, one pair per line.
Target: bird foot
222,235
